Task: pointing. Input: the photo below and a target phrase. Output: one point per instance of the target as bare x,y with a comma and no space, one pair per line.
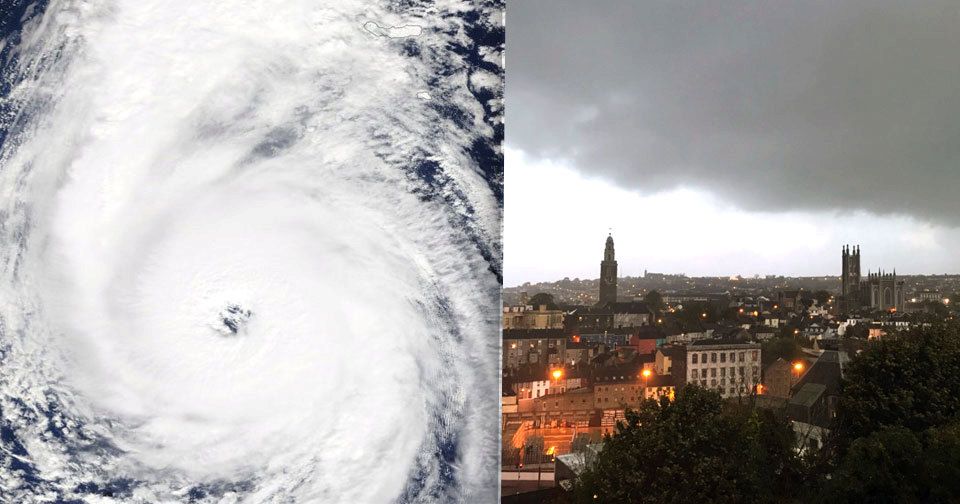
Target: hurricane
250,250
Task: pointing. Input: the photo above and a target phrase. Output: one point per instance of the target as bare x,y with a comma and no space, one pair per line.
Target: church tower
850,279
608,274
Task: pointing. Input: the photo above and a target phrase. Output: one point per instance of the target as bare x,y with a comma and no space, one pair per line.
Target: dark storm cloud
773,105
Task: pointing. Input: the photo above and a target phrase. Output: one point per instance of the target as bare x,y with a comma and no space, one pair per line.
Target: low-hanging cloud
774,106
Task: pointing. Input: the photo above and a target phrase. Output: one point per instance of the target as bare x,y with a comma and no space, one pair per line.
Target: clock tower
608,274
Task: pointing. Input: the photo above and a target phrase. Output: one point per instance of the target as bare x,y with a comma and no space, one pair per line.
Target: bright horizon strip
556,220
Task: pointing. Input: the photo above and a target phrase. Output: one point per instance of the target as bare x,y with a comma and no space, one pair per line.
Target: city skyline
744,141
809,244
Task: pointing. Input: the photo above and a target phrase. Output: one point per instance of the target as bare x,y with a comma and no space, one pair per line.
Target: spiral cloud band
250,251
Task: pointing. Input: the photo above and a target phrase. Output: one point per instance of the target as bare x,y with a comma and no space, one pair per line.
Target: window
723,357
703,358
693,374
742,356
723,371
694,358
713,372
703,373
713,356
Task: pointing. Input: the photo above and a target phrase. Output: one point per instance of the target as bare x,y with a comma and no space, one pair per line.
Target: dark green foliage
785,347
654,300
895,464
696,448
822,297
580,443
857,331
897,438
542,298
912,380
693,312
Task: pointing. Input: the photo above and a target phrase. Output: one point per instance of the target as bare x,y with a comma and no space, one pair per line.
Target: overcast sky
748,137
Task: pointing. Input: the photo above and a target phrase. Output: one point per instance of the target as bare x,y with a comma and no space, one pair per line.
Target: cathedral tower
850,279
608,274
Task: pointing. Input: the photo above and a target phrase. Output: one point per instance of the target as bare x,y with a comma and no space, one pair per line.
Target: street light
557,374
646,380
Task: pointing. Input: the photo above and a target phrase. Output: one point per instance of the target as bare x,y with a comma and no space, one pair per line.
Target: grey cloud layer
776,106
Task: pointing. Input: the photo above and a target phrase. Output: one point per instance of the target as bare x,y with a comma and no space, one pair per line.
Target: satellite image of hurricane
250,250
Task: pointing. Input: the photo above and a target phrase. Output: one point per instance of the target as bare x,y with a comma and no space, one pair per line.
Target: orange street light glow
646,373
798,366
557,373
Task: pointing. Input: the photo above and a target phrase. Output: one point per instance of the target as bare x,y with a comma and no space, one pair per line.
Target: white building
539,388
731,368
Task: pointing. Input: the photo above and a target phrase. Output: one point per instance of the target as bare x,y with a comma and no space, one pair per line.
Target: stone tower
608,274
850,279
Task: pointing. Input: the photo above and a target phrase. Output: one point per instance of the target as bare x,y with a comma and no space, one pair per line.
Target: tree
580,442
533,450
910,380
785,347
895,464
694,311
937,308
693,449
654,300
542,298
858,331
822,297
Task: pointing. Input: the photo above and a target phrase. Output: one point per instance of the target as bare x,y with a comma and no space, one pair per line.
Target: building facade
538,388
732,369
880,291
884,291
532,317
533,346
